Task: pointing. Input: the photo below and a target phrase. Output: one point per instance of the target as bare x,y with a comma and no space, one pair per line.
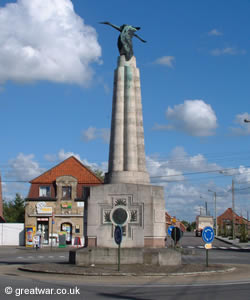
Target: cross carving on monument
134,210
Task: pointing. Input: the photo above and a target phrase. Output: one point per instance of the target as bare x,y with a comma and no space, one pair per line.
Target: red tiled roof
72,167
228,215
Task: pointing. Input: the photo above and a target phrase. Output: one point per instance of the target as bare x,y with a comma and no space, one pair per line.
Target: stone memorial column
127,162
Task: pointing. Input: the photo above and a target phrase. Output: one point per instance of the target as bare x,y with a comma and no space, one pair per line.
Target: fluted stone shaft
130,132
126,153
117,125
139,125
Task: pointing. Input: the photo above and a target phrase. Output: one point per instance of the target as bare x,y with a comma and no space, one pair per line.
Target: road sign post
118,240
208,237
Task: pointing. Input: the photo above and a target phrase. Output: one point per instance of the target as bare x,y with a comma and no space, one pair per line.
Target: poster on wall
29,233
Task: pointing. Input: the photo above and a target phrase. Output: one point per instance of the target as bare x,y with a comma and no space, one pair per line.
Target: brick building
58,197
225,220
1,203
169,222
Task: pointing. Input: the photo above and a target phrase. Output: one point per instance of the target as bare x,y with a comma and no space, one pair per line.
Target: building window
44,191
66,192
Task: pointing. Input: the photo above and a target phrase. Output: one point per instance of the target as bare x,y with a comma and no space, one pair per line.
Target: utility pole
233,208
215,211
215,214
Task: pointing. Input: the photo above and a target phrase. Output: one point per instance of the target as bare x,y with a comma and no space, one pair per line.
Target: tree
186,224
99,173
13,211
189,226
243,233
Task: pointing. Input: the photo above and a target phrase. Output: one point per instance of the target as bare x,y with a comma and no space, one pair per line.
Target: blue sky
56,78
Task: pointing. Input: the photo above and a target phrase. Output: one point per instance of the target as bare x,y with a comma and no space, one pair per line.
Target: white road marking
222,247
190,247
201,247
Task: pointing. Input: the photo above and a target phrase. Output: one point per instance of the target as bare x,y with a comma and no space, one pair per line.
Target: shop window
44,191
77,229
67,227
66,192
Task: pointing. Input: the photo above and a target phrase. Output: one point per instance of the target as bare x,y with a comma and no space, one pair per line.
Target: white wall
12,234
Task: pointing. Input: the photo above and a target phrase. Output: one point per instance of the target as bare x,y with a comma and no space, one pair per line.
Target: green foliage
243,233
224,234
98,173
13,211
189,226
219,231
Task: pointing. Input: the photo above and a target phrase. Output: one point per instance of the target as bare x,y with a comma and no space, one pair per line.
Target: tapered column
126,153
117,125
139,124
130,132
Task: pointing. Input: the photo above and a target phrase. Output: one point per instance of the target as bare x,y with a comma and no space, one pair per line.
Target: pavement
235,242
127,270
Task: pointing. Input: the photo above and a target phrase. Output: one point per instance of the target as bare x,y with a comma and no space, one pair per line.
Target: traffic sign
208,235
118,234
170,228
176,234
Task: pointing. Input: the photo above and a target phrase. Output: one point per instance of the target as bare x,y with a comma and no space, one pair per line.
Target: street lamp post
215,214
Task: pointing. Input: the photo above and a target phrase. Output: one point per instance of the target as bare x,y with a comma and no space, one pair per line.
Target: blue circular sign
118,234
208,234
170,228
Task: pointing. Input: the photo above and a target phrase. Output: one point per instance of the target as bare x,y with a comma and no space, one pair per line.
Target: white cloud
184,197
240,175
160,171
93,133
215,32
46,40
227,51
62,155
243,128
176,164
243,175
166,61
193,117
23,168
180,159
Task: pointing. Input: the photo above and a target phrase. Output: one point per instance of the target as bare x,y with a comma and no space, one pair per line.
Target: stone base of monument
141,206
109,256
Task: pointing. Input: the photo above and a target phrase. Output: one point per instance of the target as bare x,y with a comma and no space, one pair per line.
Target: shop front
43,228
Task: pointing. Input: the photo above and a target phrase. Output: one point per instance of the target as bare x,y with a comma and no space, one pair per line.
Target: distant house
170,222
57,198
225,221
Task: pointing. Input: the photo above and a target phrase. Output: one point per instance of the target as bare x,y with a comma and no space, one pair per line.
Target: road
216,286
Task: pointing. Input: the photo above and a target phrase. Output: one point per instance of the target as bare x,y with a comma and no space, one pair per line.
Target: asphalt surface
233,284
